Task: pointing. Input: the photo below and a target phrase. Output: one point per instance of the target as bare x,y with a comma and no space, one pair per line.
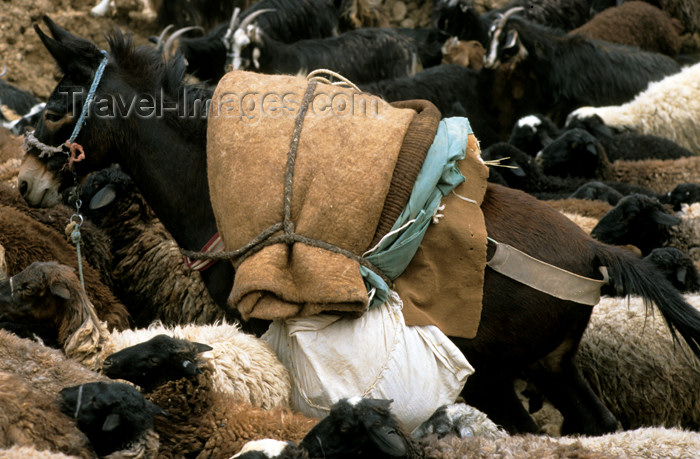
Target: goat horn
250,18
177,33
231,27
510,13
159,42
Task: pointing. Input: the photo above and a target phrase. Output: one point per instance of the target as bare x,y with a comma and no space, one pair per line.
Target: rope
265,239
315,76
75,239
91,94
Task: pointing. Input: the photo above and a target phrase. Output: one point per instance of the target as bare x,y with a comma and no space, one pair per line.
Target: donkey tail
630,275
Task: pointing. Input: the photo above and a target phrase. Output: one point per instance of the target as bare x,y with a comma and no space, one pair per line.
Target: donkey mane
145,69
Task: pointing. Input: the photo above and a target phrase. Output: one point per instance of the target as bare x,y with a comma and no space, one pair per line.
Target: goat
361,55
465,53
19,110
291,21
540,69
452,88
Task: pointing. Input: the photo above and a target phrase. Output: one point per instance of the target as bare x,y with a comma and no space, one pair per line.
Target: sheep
31,418
241,364
26,240
147,270
636,23
668,108
532,133
578,154
518,170
22,452
202,420
94,242
114,416
660,383
44,369
465,53
685,10
648,224
360,427
677,267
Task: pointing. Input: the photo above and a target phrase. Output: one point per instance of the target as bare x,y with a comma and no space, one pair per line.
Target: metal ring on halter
79,216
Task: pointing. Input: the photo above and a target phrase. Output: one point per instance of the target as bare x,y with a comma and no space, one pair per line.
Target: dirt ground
29,65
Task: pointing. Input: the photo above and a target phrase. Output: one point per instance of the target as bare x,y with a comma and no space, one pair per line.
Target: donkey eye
52,117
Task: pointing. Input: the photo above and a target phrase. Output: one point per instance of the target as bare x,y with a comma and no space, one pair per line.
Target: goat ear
662,218
111,423
103,197
60,290
511,39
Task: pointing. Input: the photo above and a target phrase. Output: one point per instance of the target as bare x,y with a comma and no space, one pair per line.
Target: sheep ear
60,290
103,197
681,274
388,440
111,423
662,218
199,347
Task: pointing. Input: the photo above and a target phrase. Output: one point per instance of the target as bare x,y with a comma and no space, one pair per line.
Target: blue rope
90,96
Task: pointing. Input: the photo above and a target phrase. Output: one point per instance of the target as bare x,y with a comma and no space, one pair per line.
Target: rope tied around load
289,236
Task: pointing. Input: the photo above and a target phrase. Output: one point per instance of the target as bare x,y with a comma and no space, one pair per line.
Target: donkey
522,330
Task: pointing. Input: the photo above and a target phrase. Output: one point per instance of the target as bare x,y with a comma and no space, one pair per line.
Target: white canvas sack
376,356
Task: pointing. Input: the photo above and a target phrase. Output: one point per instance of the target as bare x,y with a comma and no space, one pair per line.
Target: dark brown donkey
522,330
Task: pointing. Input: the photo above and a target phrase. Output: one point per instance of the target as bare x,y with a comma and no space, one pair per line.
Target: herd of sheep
608,136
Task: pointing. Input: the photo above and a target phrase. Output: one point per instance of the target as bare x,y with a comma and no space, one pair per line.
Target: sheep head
39,293
574,153
357,425
160,359
112,415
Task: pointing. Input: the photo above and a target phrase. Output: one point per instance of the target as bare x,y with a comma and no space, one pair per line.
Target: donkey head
128,88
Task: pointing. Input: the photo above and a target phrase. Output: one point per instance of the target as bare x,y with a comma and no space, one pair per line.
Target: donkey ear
73,55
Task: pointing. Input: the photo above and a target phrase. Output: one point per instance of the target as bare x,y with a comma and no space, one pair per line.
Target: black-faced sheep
31,418
518,170
241,364
636,23
26,240
201,421
668,108
677,267
532,133
366,428
579,154
114,416
647,223
660,386
148,270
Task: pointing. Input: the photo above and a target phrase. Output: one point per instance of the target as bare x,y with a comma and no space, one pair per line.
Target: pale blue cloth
438,176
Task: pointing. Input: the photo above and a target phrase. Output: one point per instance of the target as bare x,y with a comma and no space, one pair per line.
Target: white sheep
636,369
241,364
668,108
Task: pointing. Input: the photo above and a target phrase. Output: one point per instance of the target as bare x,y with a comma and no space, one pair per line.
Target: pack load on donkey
322,185
323,196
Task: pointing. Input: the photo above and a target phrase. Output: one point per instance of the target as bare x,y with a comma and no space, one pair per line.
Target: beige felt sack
331,357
